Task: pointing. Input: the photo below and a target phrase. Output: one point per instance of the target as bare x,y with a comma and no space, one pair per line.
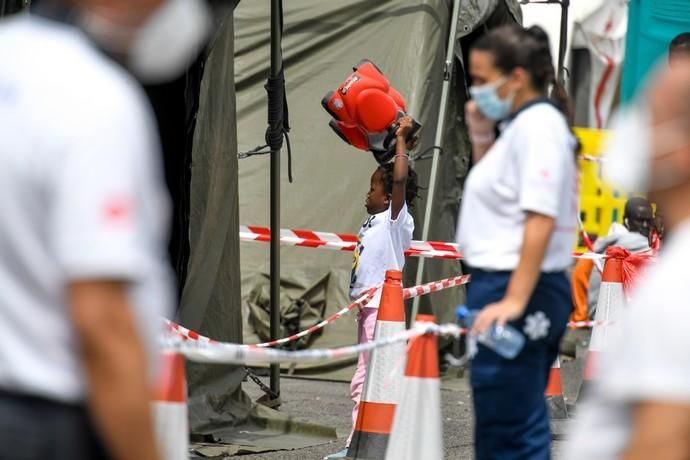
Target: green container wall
652,24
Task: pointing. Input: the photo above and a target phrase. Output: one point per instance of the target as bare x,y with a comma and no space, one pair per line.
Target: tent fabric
322,41
476,13
297,313
219,410
210,302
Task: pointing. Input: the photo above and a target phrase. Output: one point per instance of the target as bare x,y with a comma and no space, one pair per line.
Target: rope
278,117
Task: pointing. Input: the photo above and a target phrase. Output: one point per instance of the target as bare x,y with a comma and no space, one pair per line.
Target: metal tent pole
443,107
276,67
563,40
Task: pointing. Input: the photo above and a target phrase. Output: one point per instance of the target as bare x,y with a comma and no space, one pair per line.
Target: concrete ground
328,403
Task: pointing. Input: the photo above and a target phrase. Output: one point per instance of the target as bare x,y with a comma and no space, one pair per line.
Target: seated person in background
633,235
656,236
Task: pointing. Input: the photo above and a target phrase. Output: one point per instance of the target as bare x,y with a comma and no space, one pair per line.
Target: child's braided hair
411,188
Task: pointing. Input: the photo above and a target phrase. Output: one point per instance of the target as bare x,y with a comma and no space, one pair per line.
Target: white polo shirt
81,197
650,363
530,167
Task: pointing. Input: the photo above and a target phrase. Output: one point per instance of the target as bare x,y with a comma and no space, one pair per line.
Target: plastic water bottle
506,340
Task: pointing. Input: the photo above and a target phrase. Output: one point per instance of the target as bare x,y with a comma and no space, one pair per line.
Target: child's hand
412,143
404,127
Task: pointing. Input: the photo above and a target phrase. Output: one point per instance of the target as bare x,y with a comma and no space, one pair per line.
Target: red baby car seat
365,110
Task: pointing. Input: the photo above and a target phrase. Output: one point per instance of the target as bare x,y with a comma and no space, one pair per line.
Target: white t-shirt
530,167
81,197
381,245
650,362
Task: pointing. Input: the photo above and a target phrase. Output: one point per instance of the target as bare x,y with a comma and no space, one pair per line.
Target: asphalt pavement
329,403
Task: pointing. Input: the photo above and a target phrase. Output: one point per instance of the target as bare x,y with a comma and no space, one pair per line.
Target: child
382,241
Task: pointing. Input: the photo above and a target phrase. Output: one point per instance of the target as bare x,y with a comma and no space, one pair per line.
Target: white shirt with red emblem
82,197
530,168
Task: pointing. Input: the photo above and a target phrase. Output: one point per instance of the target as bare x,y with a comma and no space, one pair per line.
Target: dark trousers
37,429
511,416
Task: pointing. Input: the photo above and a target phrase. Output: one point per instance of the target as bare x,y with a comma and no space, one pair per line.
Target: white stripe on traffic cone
607,317
170,408
417,430
384,376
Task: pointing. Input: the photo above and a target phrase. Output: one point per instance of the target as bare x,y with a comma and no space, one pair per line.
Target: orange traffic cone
554,393
384,376
170,408
417,429
606,319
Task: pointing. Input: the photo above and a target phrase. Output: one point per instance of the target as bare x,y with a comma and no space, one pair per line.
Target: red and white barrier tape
587,324
231,353
189,335
435,286
185,334
592,158
363,300
346,242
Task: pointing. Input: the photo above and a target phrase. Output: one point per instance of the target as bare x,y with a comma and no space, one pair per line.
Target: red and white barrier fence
347,242
211,351
232,353
360,302
344,242
408,293
185,334
592,158
435,286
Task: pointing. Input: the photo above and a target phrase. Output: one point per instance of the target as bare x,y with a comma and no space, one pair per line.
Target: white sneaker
341,454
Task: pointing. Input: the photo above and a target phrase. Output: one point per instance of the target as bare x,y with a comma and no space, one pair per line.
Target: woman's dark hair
680,43
411,188
513,46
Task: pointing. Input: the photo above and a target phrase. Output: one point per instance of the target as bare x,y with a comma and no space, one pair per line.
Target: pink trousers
366,323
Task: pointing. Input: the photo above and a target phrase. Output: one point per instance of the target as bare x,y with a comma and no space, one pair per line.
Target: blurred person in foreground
518,215
634,235
85,220
640,406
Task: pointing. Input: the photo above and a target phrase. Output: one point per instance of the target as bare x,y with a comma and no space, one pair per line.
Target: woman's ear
519,78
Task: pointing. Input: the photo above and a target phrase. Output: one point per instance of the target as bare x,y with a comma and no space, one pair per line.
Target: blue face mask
488,102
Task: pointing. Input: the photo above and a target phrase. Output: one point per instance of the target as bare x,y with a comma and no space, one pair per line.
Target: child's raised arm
400,166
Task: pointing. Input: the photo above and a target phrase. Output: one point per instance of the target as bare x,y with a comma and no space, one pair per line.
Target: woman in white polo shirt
516,229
